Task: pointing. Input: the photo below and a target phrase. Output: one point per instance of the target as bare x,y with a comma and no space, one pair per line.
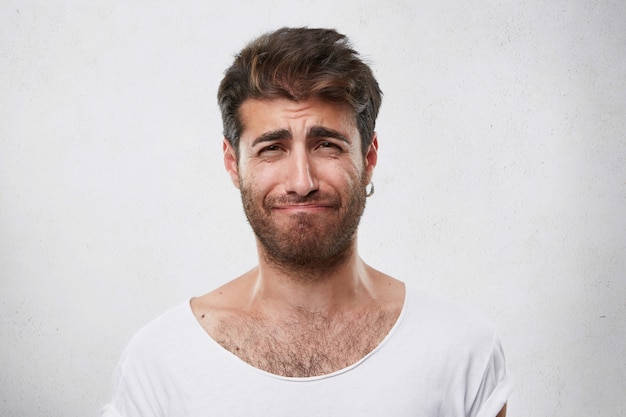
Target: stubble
308,244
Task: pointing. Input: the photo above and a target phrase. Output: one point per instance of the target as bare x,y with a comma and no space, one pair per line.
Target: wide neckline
245,365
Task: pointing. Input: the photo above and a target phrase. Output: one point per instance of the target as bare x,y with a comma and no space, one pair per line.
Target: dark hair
298,64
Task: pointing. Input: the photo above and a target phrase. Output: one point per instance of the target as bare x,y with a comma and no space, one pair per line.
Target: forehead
262,115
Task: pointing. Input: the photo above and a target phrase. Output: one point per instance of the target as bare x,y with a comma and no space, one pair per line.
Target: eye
270,149
330,147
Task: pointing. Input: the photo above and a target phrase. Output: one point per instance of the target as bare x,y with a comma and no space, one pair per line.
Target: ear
371,157
230,162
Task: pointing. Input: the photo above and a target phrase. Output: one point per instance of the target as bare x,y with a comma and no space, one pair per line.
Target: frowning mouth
298,204
307,207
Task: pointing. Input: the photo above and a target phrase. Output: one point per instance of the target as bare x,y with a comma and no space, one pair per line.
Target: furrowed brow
279,134
324,132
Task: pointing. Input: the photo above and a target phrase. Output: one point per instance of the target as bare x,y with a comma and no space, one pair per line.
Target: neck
322,288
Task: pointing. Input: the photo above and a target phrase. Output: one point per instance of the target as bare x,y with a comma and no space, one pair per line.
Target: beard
307,243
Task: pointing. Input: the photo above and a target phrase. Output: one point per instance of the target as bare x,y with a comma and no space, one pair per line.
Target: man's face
302,177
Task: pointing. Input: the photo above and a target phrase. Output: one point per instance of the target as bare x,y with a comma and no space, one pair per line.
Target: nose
300,173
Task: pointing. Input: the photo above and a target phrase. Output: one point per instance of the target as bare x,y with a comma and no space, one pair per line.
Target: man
312,330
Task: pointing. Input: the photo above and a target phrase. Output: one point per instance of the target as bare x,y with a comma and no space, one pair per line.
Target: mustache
294,199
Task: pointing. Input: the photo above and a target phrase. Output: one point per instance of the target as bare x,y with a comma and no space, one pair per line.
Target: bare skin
299,339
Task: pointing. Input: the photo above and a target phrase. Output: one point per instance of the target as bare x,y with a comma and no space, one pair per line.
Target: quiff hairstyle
298,64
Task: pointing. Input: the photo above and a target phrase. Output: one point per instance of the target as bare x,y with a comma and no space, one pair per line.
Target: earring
371,190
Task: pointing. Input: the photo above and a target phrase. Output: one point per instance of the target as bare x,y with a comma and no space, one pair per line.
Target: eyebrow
323,132
314,132
272,135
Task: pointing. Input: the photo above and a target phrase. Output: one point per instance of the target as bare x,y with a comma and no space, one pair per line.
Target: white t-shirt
437,360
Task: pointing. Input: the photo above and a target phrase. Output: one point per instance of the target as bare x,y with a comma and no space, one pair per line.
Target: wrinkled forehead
259,116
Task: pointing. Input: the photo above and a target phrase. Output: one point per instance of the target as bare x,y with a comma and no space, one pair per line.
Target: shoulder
458,345
161,335
166,322
449,325
143,376
442,310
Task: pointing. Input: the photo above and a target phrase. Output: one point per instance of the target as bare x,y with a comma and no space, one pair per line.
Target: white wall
501,179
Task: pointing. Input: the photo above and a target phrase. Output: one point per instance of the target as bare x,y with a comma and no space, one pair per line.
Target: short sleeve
141,384
496,385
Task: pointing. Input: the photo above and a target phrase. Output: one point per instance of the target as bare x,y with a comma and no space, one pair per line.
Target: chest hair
302,344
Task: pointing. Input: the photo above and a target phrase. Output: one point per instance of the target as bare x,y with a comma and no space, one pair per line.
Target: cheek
258,181
349,183
358,172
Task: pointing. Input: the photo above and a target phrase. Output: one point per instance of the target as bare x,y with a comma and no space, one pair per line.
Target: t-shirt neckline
215,345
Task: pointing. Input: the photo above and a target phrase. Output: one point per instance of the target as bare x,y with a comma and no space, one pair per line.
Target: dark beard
312,245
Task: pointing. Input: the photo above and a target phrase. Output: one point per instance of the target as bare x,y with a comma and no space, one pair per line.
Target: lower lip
299,209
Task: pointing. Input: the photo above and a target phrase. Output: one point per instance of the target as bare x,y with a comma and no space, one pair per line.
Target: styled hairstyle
298,64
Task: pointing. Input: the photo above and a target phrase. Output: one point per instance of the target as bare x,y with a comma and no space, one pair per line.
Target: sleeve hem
497,399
